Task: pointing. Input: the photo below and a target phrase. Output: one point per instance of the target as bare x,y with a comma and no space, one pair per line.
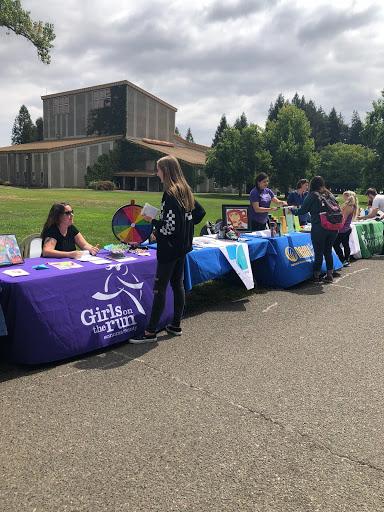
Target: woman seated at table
60,236
261,198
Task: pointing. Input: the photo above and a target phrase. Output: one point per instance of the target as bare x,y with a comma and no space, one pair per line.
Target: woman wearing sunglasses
60,237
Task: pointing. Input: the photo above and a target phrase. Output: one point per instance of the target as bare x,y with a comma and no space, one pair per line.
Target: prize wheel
128,225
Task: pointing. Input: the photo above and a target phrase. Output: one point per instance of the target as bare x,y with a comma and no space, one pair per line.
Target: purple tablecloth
55,314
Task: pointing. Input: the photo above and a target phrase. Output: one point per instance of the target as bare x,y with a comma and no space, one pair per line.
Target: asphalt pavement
270,403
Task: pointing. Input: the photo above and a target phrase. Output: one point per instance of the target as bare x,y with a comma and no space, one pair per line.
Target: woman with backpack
324,225
350,210
174,233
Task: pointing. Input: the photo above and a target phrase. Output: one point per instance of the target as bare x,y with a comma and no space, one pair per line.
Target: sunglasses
70,212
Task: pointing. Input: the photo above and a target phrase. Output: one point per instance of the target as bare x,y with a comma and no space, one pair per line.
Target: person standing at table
60,236
296,198
261,198
322,239
349,209
174,233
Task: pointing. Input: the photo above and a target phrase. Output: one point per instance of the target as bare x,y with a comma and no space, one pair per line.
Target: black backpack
331,216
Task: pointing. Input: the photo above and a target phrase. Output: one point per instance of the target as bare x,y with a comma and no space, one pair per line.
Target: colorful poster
9,251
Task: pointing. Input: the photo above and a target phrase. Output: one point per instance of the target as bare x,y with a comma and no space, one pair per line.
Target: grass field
24,211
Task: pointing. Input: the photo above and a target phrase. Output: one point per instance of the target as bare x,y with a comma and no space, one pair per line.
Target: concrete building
82,124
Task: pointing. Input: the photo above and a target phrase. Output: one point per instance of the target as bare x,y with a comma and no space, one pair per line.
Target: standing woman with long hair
350,210
174,233
61,237
322,239
261,198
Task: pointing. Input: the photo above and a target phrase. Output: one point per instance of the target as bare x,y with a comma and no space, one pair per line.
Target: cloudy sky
206,57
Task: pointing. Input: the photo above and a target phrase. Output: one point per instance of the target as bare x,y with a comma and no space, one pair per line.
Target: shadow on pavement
102,359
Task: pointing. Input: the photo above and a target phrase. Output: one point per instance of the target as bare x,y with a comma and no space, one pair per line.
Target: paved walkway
273,403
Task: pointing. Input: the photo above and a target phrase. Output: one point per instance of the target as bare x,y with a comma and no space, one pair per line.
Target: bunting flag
237,255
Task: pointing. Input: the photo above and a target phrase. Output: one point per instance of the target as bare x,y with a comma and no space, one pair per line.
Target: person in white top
377,204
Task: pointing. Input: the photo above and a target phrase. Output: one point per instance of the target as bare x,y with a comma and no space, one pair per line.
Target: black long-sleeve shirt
174,229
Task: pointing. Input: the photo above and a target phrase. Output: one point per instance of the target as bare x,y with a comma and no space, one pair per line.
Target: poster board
10,253
237,215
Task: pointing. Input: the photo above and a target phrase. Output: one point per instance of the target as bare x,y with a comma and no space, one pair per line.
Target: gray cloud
206,58
334,22
223,11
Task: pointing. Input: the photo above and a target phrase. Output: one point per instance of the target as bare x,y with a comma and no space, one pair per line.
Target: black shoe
316,279
171,329
328,279
336,274
146,338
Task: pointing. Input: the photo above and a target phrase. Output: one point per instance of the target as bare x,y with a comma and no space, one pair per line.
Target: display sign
10,253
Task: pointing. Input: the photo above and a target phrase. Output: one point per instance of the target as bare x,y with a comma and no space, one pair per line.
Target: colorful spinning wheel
128,225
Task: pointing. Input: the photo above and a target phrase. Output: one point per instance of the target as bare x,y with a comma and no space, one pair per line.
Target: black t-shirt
63,243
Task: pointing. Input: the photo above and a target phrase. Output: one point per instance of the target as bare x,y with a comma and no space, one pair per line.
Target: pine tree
189,136
355,130
241,122
23,130
223,125
274,109
177,131
334,127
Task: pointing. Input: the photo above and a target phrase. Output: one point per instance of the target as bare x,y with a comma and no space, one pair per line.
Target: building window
59,105
101,98
17,177
33,177
42,178
25,176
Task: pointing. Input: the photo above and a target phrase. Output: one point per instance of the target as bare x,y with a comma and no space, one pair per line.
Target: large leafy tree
288,139
16,19
346,166
237,157
373,137
23,130
223,125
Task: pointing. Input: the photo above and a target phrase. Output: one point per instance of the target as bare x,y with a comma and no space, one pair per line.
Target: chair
31,246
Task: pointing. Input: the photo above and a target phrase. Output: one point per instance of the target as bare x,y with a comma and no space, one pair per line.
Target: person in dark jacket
322,239
174,233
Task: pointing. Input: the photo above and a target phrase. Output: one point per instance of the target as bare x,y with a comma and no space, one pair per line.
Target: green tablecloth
371,238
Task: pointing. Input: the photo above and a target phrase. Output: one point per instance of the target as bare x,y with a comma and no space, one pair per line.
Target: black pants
173,272
258,226
322,241
343,240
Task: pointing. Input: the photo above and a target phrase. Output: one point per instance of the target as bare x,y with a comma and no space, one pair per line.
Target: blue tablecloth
55,314
293,263
209,263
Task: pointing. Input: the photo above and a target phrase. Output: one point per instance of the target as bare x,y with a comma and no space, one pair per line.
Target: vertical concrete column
74,115
49,171
126,109
134,114
157,121
61,156
146,117
75,169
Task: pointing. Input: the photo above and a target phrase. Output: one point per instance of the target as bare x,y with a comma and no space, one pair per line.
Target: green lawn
24,211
